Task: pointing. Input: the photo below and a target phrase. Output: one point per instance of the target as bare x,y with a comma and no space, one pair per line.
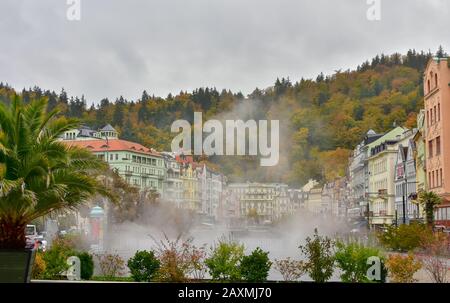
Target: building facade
261,202
173,191
359,177
314,204
406,206
381,165
437,135
140,166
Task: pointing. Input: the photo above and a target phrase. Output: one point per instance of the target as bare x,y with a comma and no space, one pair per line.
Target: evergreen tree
119,112
441,53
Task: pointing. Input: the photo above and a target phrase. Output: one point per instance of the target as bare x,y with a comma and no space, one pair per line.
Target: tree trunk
12,234
429,211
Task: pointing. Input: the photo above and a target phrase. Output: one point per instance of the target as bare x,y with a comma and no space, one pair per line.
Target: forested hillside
321,119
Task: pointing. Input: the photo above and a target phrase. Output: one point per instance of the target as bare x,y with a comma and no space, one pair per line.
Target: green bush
143,266
87,265
319,253
56,259
224,261
256,266
352,260
405,237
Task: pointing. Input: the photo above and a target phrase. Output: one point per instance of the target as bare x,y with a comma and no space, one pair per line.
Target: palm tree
38,173
429,200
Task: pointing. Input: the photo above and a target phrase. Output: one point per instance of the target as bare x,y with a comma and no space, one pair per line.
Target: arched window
435,80
429,86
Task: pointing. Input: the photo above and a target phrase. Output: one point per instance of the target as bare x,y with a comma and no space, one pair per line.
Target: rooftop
113,145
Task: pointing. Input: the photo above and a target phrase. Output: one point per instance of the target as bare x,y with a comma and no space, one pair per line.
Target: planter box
16,265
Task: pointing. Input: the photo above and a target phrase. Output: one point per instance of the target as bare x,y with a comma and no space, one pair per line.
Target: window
430,149
429,86
438,146
428,118
439,112
435,116
111,157
117,157
440,177
435,80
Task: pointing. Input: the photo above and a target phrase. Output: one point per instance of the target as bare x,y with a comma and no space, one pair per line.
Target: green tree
143,266
352,260
319,253
405,237
256,266
39,174
429,200
224,261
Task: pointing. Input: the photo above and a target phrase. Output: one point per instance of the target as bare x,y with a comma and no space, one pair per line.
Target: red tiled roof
187,159
112,145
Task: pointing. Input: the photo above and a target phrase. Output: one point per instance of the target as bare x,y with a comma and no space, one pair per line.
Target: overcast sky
123,47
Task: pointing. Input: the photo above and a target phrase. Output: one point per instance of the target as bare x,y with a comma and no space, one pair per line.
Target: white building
173,184
211,186
262,202
381,163
405,183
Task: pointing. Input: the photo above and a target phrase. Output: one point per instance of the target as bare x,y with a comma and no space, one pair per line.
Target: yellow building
382,158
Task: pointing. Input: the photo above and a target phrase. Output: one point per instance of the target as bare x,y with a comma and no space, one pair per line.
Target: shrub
87,265
111,265
435,262
291,270
224,261
39,267
56,259
405,237
320,257
197,268
256,266
143,266
179,259
402,268
352,260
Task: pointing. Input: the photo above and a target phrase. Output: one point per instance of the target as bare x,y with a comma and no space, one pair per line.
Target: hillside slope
321,119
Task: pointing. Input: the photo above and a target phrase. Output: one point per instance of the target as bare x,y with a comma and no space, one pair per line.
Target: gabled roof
108,128
112,145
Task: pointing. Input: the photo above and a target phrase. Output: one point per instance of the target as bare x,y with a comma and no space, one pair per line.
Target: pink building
437,138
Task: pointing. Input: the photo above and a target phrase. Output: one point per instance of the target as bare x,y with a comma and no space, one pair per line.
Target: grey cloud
123,47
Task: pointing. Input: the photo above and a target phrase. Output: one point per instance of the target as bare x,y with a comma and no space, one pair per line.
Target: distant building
406,209
140,166
297,199
437,135
359,176
211,187
314,203
261,202
381,164
189,174
173,184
